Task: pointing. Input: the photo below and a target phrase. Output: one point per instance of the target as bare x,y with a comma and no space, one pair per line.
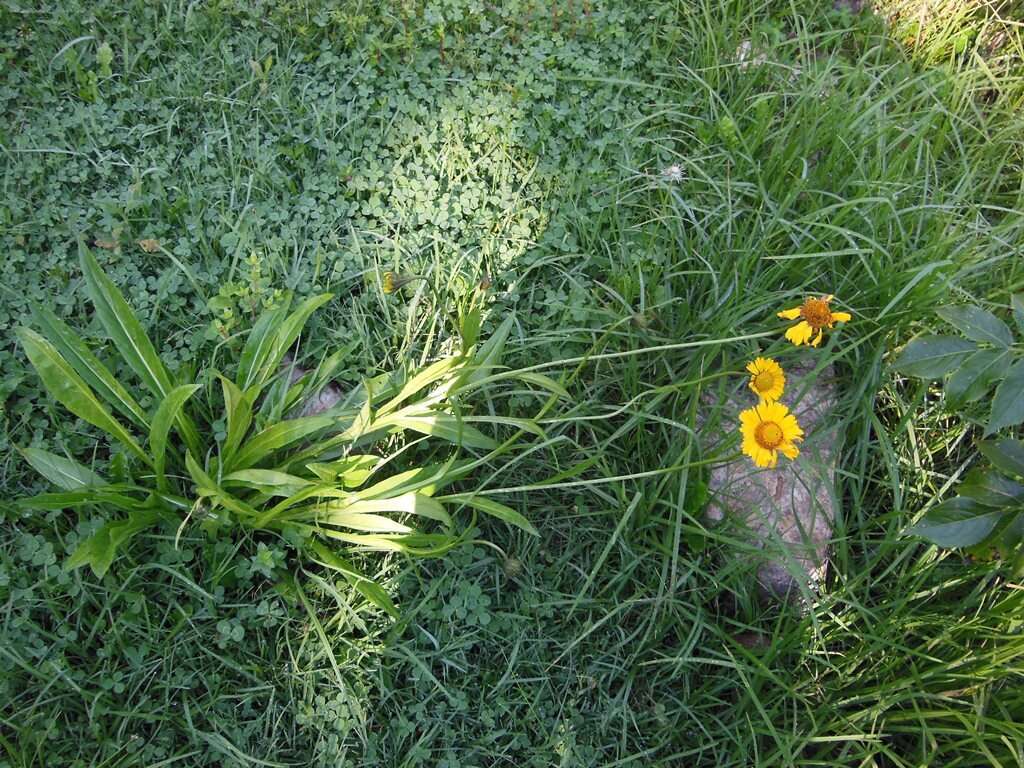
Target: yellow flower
816,316
766,378
768,429
388,282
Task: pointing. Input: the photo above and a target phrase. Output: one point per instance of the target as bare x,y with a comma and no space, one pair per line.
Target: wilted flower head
815,316
673,173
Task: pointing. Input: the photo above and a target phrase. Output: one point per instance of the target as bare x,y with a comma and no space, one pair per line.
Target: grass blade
367,587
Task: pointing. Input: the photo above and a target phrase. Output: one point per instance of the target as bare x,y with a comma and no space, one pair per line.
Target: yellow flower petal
789,450
767,379
818,338
841,317
799,333
790,314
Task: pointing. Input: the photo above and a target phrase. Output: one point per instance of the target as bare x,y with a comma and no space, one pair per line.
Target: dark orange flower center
816,312
768,435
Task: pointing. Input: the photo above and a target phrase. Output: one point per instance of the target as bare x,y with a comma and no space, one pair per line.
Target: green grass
522,145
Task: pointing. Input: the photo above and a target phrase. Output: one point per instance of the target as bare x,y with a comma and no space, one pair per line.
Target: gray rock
787,511
328,396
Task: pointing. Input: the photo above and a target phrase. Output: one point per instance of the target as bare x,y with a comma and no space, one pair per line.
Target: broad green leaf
428,480
540,380
292,326
259,345
206,486
957,522
1011,535
976,375
67,387
489,354
361,521
123,326
977,324
1005,454
238,405
130,338
366,586
419,382
408,503
62,472
87,365
278,436
438,424
932,357
527,425
268,481
1017,302
164,417
469,327
1008,403
492,508
105,495
273,341
991,489
99,550
352,471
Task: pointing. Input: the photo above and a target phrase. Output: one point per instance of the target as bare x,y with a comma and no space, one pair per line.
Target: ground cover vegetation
625,196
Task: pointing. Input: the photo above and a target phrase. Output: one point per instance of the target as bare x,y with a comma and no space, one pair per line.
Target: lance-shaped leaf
130,338
492,508
268,481
238,405
164,417
114,496
124,328
71,391
271,338
206,486
99,550
408,503
489,354
432,373
437,424
351,471
260,344
61,471
278,436
87,365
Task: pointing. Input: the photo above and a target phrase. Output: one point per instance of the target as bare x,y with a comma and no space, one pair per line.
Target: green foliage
268,472
988,510
616,176
986,358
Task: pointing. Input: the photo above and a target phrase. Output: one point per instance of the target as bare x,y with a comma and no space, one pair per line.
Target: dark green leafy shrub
986,361
984,358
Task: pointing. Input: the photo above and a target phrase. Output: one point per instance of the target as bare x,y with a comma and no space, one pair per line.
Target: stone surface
787,511
328,397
